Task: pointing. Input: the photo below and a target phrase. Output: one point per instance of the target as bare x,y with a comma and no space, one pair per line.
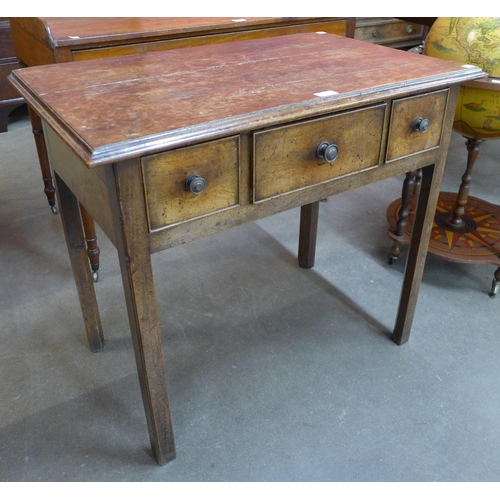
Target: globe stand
466,229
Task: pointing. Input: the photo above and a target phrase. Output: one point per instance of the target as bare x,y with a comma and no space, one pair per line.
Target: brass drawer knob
421,125
375,33
328,152
409,29
195,184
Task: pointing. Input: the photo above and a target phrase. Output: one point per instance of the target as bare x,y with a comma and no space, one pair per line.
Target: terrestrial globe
471,40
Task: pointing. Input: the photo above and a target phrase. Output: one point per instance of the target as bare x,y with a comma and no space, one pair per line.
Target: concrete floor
275,373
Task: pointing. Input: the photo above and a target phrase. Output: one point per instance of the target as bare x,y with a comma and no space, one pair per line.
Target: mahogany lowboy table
164,148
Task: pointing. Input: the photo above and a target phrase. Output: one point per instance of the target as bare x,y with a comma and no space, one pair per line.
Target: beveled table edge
163,141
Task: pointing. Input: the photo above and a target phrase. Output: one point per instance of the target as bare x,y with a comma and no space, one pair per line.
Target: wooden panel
7,91
333,27
285,158
9,96
168,201
92,186
403,139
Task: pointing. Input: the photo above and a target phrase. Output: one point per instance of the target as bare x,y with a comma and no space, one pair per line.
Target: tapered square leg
132,238
75,240
426,208
308,233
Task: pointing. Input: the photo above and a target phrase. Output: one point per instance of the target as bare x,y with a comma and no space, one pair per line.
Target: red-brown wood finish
111,125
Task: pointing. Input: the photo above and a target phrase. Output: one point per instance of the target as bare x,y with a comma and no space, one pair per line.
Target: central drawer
285,158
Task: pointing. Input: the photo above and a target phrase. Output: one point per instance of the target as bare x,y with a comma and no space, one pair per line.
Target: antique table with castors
48,40
164,148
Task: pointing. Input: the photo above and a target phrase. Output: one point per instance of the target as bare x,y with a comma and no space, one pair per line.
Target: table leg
132,237
399,230
88,221
424,216
41,148
72,225
307,235
91,239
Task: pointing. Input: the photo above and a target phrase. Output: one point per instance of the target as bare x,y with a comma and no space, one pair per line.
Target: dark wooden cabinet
9,97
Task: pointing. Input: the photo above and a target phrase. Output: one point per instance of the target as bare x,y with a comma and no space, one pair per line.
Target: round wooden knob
329,152
195,184
421,125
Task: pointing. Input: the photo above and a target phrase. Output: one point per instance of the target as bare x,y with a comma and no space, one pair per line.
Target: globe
471,40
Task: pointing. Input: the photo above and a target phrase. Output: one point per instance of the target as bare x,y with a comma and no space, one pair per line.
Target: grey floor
275,373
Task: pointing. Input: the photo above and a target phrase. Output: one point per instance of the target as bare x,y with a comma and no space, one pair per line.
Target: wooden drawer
337,27
386,31
404,139
167,198
285,158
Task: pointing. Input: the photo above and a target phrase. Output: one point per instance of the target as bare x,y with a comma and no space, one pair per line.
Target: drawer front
169,201
337,27
285,158
388,32
406,140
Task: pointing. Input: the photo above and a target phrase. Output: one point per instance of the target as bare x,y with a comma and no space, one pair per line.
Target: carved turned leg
407,191
36,125
463,192
456,221
91,239
72,225
88,222
307,235
418,182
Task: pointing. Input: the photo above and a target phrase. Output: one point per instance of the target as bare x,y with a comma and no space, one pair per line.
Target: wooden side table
55,40
220,135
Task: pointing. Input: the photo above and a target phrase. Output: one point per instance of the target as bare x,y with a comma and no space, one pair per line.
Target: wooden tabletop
78,31
144,103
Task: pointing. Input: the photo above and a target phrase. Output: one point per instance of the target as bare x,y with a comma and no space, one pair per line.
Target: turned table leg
88,222
41,148
91,239
407,191
456,221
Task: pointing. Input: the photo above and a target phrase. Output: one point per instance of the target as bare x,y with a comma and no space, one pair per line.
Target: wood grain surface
155,101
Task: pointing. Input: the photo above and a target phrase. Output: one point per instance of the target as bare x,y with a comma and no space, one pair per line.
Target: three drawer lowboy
164,148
